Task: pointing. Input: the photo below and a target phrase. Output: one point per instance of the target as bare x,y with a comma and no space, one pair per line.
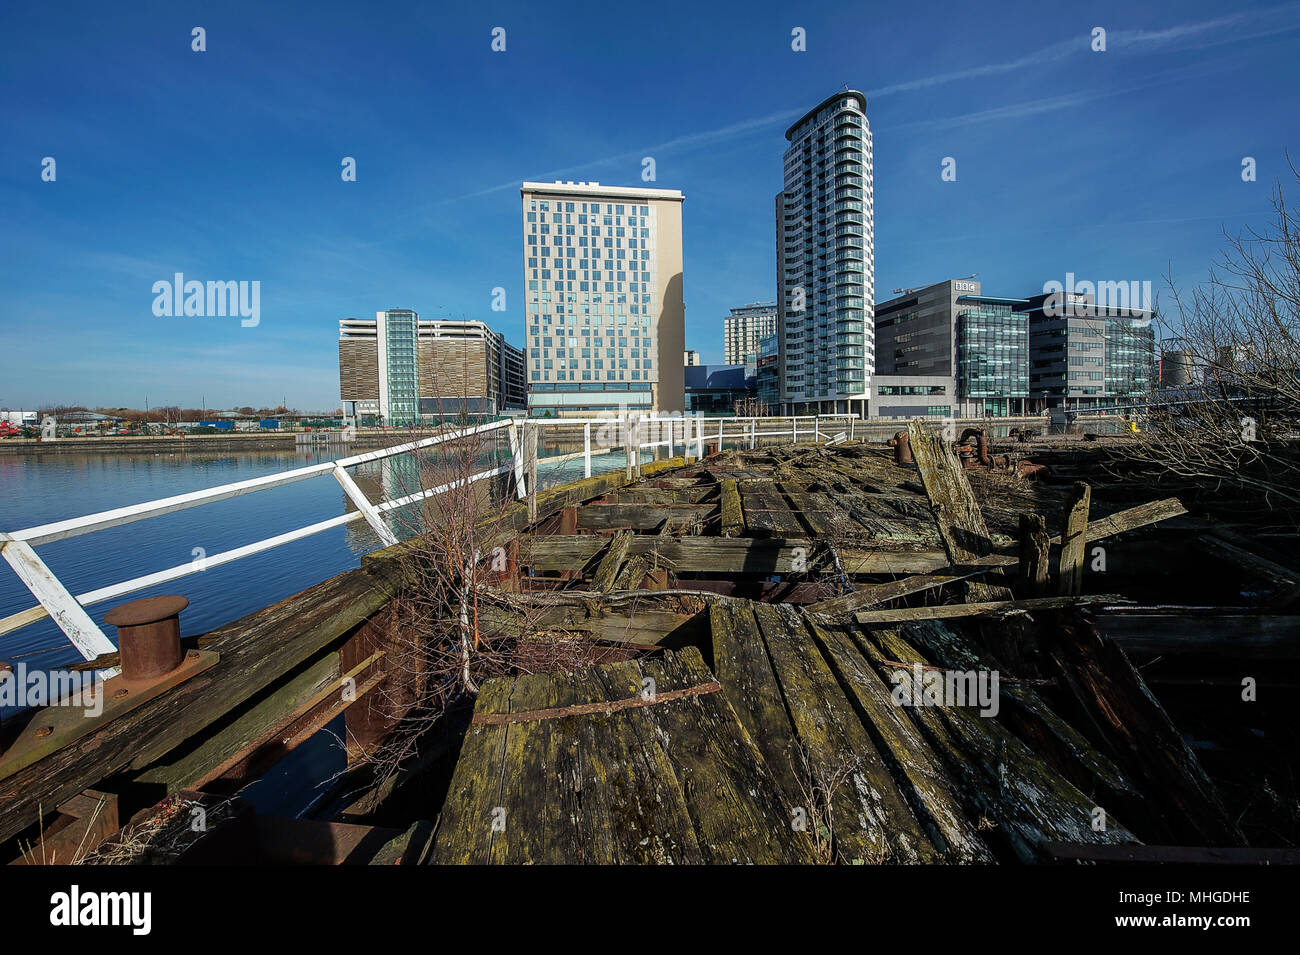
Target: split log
1074,539
1033,555
607,571
952,611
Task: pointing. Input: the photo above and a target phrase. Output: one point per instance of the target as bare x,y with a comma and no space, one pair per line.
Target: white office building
605,316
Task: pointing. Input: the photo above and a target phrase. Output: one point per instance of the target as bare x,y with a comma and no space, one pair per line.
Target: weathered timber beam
640,626
1202,631
950,611
256,652
733,519
607,571
1033,555
1074,540
643,517
869,595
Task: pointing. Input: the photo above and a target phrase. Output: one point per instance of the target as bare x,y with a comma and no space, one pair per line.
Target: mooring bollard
902,446
148,636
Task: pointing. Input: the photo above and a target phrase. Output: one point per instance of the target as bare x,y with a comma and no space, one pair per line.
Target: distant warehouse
402,368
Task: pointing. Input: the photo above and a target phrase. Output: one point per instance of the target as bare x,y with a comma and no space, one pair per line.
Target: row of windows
569,231
566,219
598,342
572,353
544,205
586,375
597,363
595,276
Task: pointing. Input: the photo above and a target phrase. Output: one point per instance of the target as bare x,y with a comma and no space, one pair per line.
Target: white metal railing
627,434
54,600
688,432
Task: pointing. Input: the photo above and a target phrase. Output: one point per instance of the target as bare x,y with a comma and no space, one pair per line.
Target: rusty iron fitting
902,446
148,636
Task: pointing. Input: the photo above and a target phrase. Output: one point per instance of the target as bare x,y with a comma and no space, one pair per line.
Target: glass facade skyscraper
992,353
398,372
826,260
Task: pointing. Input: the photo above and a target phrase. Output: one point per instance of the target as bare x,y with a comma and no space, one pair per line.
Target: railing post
699,437
817,429
628,450
71,617
586,449
358,497
517,458
753,434
530,459
722,424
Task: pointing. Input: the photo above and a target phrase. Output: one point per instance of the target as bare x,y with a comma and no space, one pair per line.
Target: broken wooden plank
869,595
847,787
737,810
1230,632
935,795
733,518
952,611
607,572
1074,539
1028,715
1033,555
642,517
767,513
1028,802
640,762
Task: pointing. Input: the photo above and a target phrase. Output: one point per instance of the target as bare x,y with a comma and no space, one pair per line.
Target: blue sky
225,164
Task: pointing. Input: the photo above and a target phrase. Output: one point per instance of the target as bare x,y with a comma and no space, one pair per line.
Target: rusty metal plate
55,727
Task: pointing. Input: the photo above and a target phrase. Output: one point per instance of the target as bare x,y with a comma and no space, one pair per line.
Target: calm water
38,490
56,487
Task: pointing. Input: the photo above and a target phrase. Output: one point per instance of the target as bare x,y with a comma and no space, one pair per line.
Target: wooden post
1074,539
1033,555
530,465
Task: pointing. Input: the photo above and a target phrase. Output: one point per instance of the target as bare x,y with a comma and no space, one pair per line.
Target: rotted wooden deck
748,620
757,718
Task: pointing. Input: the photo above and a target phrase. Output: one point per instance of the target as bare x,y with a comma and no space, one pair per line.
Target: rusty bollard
902,446
148,636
